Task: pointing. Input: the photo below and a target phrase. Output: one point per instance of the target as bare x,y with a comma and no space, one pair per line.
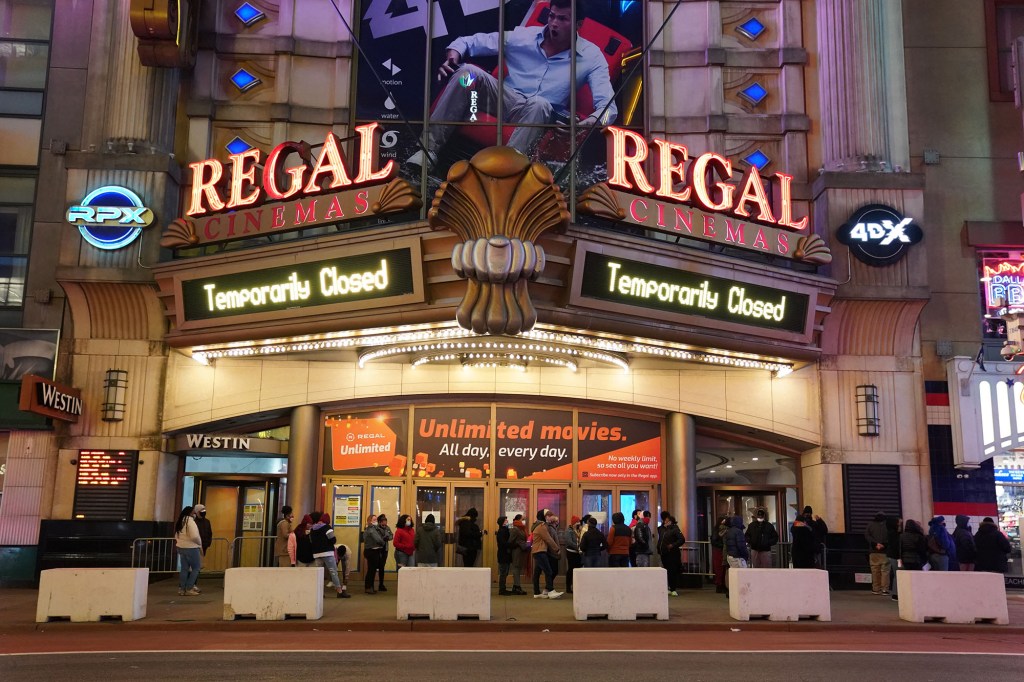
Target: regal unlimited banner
367,443
618,448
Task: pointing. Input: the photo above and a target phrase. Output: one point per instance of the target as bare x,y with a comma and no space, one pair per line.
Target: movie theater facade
636,311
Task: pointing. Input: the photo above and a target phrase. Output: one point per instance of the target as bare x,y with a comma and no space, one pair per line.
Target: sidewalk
692,610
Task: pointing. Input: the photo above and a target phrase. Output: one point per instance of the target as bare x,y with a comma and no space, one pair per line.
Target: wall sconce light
867,410
114,388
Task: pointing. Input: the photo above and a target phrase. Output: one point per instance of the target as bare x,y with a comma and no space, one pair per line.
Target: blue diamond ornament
758,159
754,94
237,146
248,14
751,28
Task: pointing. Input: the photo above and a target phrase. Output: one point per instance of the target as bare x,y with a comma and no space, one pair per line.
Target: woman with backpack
189,544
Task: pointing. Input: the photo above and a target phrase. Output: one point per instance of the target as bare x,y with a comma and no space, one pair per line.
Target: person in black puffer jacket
894,526
992,548
913,546
963,538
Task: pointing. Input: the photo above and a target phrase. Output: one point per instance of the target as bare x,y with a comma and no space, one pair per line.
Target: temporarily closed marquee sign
655,287
347,279
879,235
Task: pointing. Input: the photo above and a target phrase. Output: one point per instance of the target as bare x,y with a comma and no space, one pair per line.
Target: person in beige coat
545,550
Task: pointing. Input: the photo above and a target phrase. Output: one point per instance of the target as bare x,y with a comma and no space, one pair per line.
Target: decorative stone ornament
498,203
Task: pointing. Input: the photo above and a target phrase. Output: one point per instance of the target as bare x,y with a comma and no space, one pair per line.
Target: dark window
404,82
869,489
1004,21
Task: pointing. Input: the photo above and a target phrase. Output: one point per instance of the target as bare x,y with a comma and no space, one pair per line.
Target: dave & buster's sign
347,279
655,287
288,189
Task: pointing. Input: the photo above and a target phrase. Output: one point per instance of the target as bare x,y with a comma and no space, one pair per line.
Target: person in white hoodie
189,543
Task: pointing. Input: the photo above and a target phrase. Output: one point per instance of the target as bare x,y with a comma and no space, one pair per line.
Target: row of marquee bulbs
446,345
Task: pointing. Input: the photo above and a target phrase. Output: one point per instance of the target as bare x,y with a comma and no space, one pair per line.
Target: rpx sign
879,235
110,217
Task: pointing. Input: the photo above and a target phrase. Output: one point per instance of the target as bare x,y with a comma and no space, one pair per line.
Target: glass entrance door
744,503
448,502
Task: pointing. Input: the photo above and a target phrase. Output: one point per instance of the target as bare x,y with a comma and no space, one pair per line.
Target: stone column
681,472
862,86
303,480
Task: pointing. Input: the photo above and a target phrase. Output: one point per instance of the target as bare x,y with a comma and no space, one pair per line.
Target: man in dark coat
877,536
205,528
992,548
964,541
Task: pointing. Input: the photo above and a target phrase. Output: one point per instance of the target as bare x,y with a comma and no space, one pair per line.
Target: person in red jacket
619,539
405,542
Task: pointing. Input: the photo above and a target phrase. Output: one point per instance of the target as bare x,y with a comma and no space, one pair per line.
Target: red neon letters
328,172
627,152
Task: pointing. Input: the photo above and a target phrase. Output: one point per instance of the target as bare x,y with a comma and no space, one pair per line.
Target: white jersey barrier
274,593
620,593
779,594
952,597
444,593
88,594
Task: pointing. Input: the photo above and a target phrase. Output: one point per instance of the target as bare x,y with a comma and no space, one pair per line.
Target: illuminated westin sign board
366,276
291,188
656,287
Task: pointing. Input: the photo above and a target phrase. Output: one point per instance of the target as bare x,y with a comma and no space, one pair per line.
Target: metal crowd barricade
252,551
697,557
160,555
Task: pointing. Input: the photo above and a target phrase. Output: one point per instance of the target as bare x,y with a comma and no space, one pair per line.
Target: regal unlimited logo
467,79
110,217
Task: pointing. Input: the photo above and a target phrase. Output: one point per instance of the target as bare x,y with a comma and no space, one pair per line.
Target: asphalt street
390,662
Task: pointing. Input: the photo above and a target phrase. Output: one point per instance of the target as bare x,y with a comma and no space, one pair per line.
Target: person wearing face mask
205,528
761,537
544,546
405,542
376,536
555,557
321,538
504,555
189,544
573,558
284,530
470,537
520,549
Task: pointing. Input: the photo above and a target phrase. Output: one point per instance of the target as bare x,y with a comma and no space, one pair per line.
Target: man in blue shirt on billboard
537,87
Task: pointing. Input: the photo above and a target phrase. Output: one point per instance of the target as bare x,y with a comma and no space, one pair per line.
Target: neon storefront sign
1004,285
110,217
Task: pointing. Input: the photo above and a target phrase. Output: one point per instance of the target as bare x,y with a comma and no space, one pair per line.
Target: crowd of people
898,544
541,544
893,543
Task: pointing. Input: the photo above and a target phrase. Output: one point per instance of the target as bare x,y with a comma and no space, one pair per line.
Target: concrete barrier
444,593
89,594
952,597
619,593
274,593
779,594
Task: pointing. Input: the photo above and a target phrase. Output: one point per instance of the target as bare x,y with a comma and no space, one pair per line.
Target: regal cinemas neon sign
696,197
289,189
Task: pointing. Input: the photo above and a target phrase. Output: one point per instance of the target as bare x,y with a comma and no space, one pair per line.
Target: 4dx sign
879,235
